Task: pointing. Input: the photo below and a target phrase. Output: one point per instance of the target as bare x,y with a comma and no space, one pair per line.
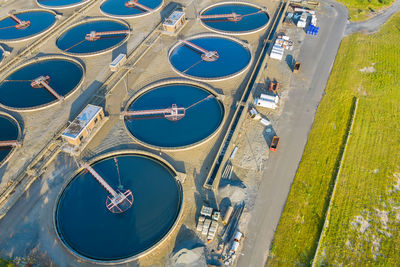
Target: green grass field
365,189
362,9
4,263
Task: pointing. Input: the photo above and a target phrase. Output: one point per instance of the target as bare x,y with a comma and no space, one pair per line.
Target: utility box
174,22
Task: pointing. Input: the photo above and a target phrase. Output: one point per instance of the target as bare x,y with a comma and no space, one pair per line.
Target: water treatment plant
114,115
174,115
41,82
93,37
234,18
153,212
60,4
210,57
9,137
23,25
129,9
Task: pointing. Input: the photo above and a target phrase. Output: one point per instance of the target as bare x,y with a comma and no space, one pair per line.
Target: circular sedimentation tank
93,37
27,24
92,232
210,57
40,82
234,17
122,8
203,115
60,4
9,131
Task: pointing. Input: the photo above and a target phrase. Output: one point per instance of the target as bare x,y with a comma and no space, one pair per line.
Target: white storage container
238,236
270,97
265,122
265,103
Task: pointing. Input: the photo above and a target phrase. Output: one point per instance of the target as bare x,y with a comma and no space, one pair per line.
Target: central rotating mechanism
118,201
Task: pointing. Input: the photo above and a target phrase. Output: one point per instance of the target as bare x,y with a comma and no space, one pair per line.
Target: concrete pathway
374,24
317,56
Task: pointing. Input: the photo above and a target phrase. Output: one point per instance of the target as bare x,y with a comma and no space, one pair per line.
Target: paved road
317,57
372,25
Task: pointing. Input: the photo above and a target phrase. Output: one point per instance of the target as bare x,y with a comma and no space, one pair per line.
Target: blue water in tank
8,131
40,21
64,75
118,8
233,57
253,18
90,229
73,40
59,3
200,121
1,54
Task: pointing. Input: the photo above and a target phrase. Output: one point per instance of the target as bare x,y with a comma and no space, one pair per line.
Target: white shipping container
235,246
265,122
238,236
270,97
276,56
277,48
265,103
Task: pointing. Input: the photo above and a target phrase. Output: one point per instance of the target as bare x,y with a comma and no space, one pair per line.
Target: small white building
82,128
174,22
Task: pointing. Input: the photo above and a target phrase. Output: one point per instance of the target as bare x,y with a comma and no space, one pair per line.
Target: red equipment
206,55
21,24
43,81
274,143
134,3
93,35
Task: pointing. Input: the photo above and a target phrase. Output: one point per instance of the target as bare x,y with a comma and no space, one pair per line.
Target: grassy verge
363,9
298,231
4,263
365,215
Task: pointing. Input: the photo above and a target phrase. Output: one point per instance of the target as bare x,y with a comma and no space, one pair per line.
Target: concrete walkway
374,24
317,56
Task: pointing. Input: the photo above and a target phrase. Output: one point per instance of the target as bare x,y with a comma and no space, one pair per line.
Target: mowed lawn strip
364,221
299,228
366,67
363,9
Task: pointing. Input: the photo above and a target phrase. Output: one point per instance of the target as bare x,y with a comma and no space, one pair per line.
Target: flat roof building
173,23
81,127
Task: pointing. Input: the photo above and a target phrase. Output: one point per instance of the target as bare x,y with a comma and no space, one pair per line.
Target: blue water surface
118,8
40,21
64,75
8,131
233,57
89,228
73,40
253,18
199,122
59,3
1,54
